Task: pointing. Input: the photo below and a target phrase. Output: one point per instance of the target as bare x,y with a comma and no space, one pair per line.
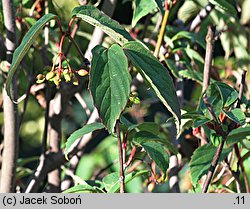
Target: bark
11,143
55,119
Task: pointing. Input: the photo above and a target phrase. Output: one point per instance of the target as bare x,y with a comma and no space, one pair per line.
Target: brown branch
213,166
122,176
55,119
55,160
206,79
207,71
11,142
208,58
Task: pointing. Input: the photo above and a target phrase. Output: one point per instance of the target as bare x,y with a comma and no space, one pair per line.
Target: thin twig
241,165
208,58
207,71
206,79
77,47
96,176
213,166
162,32
122,176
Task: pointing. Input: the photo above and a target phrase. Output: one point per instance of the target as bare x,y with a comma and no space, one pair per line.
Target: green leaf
202,159
146,126
156,76
201,121
29,38
237,135
194,38
141,9
172,66
193,75
228,94
188,10
214,99
96,18
86,188
109,83
145,136
158,154
193,55
225,5
237,115
81,132
112,182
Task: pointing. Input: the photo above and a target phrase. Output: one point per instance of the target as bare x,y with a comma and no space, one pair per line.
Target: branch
55,160
122,176
11,142
162,32
55,119
213,165
206,79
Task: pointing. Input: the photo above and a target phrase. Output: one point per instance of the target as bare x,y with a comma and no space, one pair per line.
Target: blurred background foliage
231,55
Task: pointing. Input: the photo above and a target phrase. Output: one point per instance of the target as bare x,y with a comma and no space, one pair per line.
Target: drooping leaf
195,38
109,83
96,18
158,154
112,182
153,146
145,136
80,133
142,8
202,159
156,76
237,115
28,40
228,94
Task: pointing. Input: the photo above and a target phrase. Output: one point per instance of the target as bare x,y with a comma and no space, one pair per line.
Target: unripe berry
82,72
50,75
66,75
40,78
